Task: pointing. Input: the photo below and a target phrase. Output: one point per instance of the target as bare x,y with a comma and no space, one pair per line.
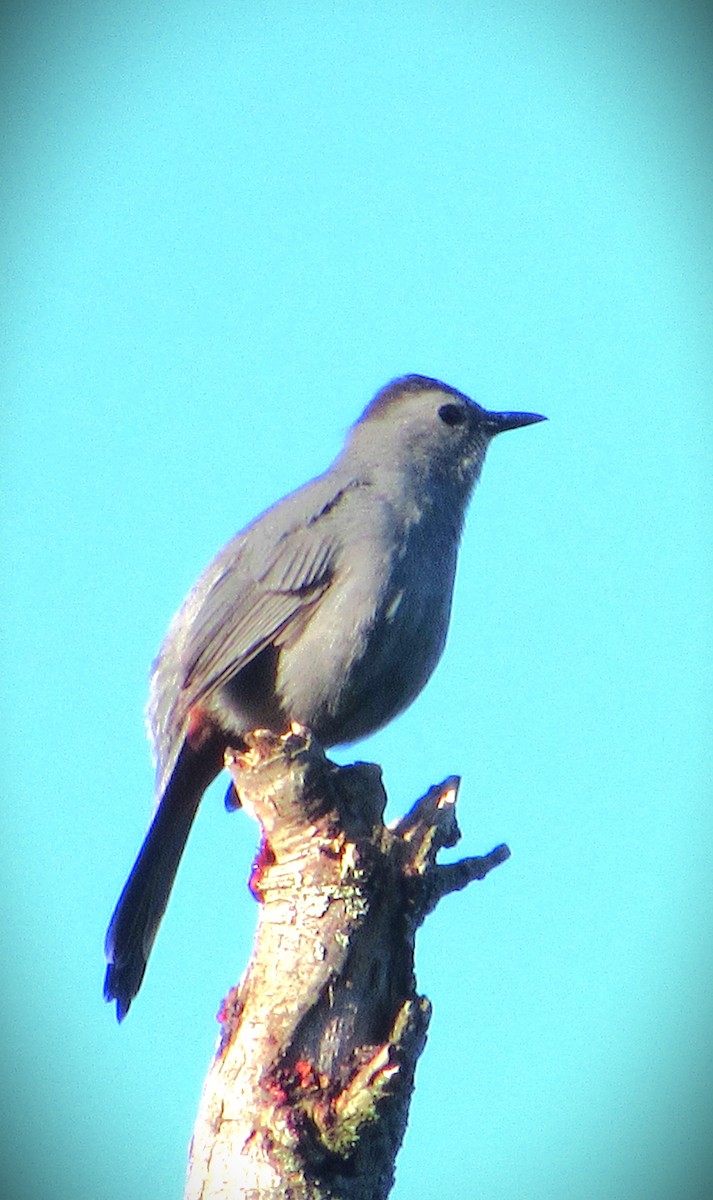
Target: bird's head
420,426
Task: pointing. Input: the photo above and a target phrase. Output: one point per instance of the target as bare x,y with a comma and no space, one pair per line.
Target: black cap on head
405,385
410,385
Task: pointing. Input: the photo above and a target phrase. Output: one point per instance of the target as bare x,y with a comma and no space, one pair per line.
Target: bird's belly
356,665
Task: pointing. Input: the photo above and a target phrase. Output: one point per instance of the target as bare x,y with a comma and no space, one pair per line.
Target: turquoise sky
224,226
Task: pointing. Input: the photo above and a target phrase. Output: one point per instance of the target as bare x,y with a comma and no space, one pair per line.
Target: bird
330,609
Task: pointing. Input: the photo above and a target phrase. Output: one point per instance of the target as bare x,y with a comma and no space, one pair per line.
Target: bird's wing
241,615
256,593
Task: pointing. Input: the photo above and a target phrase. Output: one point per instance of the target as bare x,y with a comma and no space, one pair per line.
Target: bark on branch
307,1096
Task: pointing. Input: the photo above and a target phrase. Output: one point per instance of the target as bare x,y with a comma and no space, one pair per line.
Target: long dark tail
142,903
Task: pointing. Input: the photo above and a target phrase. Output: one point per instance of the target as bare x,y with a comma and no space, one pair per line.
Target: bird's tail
142,903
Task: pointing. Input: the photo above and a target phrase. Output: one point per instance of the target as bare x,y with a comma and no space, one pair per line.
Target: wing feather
257,592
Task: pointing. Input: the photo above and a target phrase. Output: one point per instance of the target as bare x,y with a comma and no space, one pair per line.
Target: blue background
225,225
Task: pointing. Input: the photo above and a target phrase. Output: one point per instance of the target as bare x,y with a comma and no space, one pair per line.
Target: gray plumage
331,609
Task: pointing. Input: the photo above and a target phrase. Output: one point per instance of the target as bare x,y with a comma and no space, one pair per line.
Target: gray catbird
330,609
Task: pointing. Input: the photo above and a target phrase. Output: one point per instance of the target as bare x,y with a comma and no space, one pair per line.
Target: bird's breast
372,641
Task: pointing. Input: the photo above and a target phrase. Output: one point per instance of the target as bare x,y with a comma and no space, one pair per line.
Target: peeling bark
307,1096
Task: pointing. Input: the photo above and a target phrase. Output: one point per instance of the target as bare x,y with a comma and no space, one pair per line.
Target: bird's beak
499,422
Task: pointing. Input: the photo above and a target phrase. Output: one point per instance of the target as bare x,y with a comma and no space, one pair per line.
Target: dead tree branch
307,1096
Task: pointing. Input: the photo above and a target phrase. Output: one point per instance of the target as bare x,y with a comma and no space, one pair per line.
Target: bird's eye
451,414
